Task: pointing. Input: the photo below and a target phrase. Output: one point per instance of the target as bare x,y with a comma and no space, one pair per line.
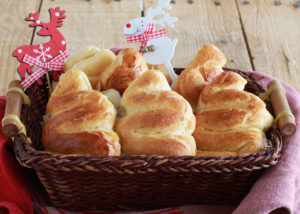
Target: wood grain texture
273,34
14,31
97,22
204,22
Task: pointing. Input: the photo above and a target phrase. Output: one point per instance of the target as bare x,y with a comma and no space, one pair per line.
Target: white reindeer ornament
156,46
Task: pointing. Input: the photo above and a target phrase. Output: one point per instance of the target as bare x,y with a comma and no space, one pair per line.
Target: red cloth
14,195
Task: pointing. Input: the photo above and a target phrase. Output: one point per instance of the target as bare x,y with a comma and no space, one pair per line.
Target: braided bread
155,120
92,62
128,65
81,119
86,53
206,65
229,120
162,69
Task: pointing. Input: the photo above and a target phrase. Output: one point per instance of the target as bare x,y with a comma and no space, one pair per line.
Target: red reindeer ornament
47,56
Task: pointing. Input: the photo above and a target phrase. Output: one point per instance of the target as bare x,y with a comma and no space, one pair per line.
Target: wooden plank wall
13,33
203,22
273,35
254,34
95,22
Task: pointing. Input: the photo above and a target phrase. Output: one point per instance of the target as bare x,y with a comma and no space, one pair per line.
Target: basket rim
42,160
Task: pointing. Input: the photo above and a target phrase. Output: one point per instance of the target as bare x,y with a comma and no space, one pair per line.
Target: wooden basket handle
11,124
285,119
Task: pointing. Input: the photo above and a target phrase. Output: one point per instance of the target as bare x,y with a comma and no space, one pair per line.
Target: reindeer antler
35,18
57,16
167,19
162,4
158,10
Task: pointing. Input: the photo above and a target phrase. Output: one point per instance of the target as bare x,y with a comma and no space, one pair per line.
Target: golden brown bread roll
88,52
127,66
162,69
74,81
94,66
206,65
81,119
229,119
155,120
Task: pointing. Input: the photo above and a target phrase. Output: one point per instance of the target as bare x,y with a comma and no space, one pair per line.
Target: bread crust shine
92,62
205,66
155,120
129,64
229,119
81,119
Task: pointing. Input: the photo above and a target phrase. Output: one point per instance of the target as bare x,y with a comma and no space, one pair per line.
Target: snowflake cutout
43,53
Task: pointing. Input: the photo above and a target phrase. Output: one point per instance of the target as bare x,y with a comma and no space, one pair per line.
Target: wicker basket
79,182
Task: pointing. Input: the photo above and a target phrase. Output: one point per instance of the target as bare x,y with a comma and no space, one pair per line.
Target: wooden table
261,35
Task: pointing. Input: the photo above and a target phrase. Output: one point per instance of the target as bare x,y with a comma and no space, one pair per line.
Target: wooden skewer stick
286,120
49,83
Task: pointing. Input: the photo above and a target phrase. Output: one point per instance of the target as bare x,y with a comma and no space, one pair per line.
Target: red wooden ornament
47,51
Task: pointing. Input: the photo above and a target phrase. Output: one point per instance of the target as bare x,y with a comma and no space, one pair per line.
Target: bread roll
229,119
70,82
155,120
81,119
95,65
206,65
162,69
127,66
88,52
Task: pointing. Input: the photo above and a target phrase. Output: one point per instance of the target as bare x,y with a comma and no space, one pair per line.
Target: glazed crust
86,53
129,64
229,119
205,66
81,119
155,120
92,63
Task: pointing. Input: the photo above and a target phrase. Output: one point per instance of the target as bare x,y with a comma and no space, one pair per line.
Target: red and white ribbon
56,64
150,33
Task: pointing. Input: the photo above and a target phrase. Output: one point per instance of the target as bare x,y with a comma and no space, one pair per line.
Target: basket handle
11,124
285,119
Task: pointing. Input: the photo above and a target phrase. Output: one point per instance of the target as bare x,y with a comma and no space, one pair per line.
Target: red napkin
14,195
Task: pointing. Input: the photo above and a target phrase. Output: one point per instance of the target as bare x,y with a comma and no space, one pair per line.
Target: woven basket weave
79,182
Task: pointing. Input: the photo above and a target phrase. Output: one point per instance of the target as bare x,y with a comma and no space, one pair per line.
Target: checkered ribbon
150,33
56,64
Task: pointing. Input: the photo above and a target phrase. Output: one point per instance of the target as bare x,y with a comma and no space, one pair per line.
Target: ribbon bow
150,33
56,64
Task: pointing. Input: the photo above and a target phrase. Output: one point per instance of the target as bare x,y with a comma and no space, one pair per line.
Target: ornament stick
142,8
49,83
